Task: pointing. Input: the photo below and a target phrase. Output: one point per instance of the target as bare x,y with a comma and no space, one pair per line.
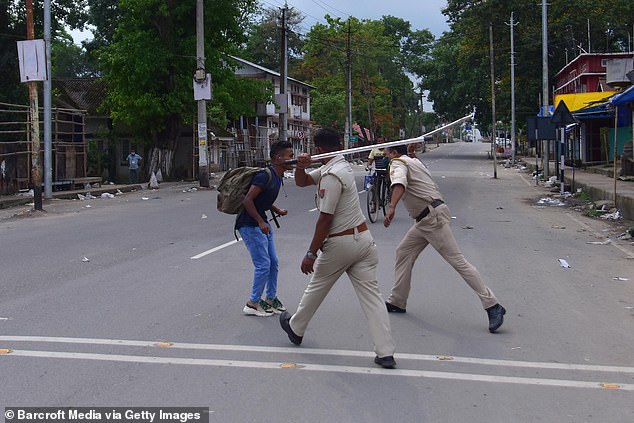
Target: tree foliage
149,59
458,74
64,13
381,53
264,39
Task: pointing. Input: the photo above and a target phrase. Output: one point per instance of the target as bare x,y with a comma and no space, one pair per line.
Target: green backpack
233,187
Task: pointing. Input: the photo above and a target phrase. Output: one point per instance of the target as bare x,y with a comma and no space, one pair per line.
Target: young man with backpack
253,225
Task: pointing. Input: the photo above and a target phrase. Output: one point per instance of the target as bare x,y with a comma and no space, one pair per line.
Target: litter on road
564,263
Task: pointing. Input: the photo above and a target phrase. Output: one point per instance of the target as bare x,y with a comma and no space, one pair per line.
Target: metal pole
513,141
283,118
203,165
616,122
348,92
562,146
48,156
36,171
493,120
545,151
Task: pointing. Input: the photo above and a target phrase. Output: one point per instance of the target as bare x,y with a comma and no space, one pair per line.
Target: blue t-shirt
134,158
265,200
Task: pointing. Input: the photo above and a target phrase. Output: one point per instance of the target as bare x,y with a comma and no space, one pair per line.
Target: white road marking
317,351
323,368
213,250
312,210
529,183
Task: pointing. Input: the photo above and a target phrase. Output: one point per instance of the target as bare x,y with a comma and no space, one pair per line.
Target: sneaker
259,311
276,305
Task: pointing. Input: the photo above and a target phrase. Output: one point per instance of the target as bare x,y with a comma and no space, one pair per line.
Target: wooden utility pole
36,171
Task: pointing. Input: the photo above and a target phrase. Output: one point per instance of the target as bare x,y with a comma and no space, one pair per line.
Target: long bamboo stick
386,144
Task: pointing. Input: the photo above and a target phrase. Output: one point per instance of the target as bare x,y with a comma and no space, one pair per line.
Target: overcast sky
422,14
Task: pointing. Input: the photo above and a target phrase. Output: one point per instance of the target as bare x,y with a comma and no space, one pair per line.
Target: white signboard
32,58
202,90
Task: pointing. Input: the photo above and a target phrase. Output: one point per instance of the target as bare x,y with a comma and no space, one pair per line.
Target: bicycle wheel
383,196
373,207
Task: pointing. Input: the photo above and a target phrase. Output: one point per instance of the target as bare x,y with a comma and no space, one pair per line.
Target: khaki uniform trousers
357,256
434,229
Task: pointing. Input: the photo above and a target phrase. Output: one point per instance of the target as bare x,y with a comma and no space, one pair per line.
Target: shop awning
578,101
623,98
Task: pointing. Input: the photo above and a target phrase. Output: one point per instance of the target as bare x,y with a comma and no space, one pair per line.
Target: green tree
469,20
264,43
69,60
13,28
148,66
382,93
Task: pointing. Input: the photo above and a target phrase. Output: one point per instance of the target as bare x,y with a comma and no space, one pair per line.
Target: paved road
162,267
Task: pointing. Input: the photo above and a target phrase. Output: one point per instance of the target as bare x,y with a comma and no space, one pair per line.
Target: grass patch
583,196
595,213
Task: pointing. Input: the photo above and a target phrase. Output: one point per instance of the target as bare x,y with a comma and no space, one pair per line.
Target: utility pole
283,118
545,144
200,75
493,120
513,141
36,172
48,156
348,128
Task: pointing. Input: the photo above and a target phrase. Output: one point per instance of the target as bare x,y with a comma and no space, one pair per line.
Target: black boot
496,317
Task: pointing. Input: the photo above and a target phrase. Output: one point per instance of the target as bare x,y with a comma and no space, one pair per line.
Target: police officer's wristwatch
310,255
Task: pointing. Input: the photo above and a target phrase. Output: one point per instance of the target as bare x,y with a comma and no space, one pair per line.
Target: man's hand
264,227
307,265
303,160
282,212
389,215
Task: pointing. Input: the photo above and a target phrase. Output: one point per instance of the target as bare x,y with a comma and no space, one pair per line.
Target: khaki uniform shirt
420,188
337,194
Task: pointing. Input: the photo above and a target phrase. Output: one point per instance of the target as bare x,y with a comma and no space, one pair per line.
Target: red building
588,73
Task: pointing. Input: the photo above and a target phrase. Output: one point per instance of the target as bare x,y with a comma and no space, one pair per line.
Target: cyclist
380,162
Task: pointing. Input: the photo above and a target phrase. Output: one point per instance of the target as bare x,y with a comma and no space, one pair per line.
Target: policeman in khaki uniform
412,181
346,245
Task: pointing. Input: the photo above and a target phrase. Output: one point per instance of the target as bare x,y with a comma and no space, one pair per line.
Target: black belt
425,212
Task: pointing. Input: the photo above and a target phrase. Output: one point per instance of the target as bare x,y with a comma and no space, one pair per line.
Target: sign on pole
32,60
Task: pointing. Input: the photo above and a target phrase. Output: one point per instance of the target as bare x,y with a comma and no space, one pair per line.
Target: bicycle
378,193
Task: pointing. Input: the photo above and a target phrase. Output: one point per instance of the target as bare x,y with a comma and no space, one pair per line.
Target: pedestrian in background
255,230
133,166
346,245
377,157
412,181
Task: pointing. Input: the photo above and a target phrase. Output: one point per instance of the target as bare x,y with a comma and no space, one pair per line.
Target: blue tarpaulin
623,98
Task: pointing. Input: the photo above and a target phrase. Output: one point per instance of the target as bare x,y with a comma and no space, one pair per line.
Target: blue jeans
134,178
262,250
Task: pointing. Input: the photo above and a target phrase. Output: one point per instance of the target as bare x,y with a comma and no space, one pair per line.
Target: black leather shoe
285,318
385,362
496,317
391,308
